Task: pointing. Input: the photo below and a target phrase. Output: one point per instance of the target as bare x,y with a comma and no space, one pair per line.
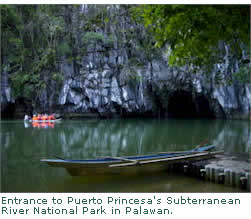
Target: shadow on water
23,146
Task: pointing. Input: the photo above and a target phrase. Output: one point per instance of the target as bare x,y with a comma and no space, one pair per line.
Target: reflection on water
43,125
23,146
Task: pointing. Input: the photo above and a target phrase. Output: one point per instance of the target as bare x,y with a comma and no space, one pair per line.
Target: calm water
22,145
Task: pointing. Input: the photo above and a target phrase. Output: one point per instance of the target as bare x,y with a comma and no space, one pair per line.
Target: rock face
104,92
116,75
6,101
155,89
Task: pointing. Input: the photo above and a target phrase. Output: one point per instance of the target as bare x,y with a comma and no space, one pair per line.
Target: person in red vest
51,117
45,117
39,117
34,117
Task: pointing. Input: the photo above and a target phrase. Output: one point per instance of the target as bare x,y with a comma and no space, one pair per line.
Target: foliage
94,38
193,32
242,75
31,35
64,48
36,39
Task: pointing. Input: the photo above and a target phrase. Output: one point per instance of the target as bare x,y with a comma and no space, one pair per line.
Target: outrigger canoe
120,165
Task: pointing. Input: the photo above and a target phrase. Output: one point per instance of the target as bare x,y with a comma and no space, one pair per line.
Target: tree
193,32
30,37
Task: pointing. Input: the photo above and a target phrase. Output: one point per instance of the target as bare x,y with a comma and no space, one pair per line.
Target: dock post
185,169
212,174
217,172
238,180
248,175
195,170
200,174
220,176
243,182
203,174
232,178
227,177
207,173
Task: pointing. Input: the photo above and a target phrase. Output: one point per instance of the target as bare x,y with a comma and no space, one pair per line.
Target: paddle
60,158
206,141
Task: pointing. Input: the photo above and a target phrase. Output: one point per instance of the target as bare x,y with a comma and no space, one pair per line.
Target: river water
23,144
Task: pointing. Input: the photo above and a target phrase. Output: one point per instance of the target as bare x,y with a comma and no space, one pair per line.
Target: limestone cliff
118,75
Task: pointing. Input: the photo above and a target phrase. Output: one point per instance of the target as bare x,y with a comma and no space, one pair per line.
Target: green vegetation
243,75
93,38
194,32
37,39
30,35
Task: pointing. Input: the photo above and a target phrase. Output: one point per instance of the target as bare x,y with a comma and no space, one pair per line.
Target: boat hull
128,165
41,121
128,170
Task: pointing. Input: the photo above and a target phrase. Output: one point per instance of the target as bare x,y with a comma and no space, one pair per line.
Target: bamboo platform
230,170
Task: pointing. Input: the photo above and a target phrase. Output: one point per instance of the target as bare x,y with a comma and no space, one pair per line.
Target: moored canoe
120,165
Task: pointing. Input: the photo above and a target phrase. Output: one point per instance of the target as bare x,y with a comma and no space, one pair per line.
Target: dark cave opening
203,107
8,111
181,104
17,109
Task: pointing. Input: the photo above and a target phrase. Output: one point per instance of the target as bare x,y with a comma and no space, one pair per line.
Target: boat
45,121
27,118
130,164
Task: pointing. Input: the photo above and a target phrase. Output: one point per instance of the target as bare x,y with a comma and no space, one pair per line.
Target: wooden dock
231,170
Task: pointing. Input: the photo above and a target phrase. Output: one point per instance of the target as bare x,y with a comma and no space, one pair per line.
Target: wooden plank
181,152
123,158
170,159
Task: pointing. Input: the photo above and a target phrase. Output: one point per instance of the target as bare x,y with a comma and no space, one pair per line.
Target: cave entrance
8,111
181,104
